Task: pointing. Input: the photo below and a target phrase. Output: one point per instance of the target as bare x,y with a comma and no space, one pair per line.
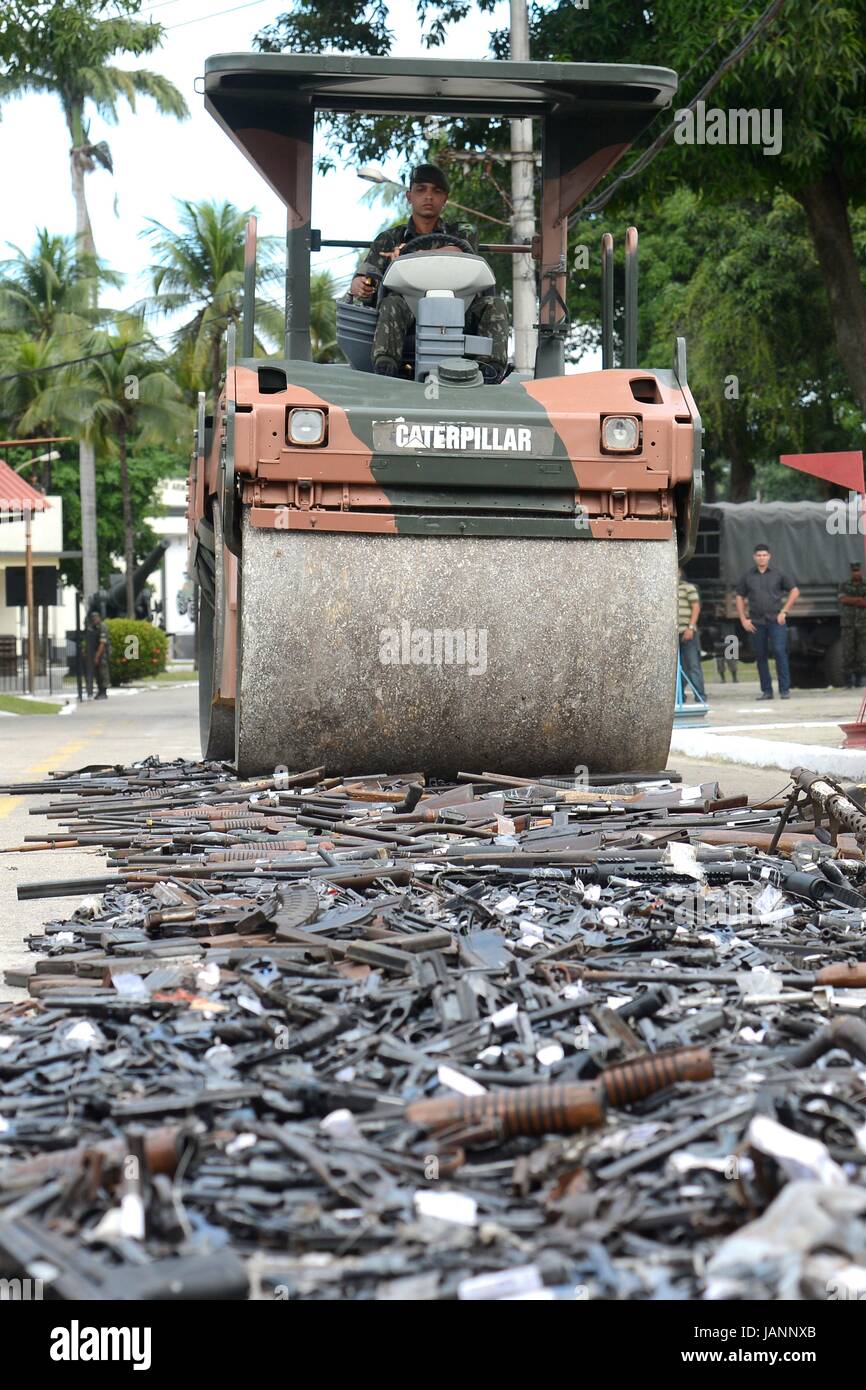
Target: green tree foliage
46,312
199,270
65,48
809,65
323,317
347,26
360,26
743,286
760,265
148,466
50,289
136,650
120,393
25,373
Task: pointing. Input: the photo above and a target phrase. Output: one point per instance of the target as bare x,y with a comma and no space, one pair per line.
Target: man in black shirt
770,595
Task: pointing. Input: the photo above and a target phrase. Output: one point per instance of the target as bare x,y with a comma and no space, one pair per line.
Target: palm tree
41,291
323,317
201,267
122,392
64,48
46,312
25,374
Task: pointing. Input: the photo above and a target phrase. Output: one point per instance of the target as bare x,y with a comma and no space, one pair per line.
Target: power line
111,316
92,356
72,362
109,352
661,140
214,15
715,43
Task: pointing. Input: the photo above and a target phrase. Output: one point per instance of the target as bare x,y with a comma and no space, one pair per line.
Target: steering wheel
432,241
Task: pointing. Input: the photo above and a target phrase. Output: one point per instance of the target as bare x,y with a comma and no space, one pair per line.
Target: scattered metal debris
367,1038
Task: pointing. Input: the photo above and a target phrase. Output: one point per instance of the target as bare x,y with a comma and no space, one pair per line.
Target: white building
170,582
17,496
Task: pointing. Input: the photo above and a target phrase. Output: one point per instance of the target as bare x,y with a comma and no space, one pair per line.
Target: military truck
814,542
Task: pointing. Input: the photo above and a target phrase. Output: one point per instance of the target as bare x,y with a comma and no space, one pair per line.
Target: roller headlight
306,426
620,434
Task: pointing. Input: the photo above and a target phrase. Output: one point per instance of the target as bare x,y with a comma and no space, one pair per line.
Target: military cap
429,173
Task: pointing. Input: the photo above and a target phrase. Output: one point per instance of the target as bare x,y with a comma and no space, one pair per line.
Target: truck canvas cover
814,542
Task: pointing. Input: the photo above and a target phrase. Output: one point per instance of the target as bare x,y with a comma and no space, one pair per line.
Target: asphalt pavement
127,726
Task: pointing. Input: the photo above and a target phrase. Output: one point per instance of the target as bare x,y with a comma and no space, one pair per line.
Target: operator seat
438,286
446,272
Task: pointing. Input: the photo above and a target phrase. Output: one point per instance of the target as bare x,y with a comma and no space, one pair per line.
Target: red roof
17,496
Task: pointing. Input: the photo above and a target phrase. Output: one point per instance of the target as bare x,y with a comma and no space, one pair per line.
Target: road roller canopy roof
340,82
594,111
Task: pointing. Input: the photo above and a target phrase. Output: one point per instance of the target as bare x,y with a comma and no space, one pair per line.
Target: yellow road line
8,803
64,752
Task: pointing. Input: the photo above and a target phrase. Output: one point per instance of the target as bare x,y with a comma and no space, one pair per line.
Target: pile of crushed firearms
318,1038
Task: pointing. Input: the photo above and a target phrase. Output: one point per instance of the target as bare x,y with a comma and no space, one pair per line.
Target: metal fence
53,664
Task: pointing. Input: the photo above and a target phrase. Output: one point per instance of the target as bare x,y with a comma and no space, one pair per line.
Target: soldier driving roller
486,315
852,605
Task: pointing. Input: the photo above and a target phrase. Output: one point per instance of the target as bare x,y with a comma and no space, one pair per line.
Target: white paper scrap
456,1081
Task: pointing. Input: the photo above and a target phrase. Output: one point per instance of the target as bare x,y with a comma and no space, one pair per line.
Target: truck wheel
833,663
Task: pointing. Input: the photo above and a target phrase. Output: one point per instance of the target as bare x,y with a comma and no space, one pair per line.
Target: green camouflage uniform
853,630
486,314
96,637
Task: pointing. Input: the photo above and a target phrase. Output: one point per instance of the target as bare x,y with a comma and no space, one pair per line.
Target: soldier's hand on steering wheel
437,241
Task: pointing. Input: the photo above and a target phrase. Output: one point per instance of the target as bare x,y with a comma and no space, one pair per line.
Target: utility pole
89,545
524,308
31,607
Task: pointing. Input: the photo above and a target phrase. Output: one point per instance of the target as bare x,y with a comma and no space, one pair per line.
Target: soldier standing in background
852,614
688,612
726,663
96,654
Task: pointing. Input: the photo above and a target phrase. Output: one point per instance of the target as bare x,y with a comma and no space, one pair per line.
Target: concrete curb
764,752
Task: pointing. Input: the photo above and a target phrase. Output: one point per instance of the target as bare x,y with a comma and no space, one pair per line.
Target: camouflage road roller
435,571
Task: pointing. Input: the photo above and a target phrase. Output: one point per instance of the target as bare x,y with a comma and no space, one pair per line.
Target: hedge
137,649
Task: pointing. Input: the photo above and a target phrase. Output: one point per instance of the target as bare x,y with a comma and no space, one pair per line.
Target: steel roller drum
216,722
371,653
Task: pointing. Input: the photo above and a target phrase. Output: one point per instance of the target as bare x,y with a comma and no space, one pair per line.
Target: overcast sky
157,159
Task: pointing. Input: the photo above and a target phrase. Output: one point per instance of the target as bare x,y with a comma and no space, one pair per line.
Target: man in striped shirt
688,611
